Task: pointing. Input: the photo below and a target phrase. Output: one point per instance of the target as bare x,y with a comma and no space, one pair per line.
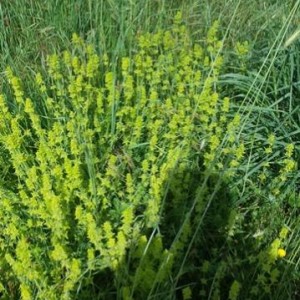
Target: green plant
94,151
151,160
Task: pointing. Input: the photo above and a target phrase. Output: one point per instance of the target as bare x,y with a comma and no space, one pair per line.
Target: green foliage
93,154
146,158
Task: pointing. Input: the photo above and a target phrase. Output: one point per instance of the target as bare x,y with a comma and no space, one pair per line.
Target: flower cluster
94,149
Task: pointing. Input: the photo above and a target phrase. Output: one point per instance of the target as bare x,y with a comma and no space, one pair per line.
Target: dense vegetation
149,150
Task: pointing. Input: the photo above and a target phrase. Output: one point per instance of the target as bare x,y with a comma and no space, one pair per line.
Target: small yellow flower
281,253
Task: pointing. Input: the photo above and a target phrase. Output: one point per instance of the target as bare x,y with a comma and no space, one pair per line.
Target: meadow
149,149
